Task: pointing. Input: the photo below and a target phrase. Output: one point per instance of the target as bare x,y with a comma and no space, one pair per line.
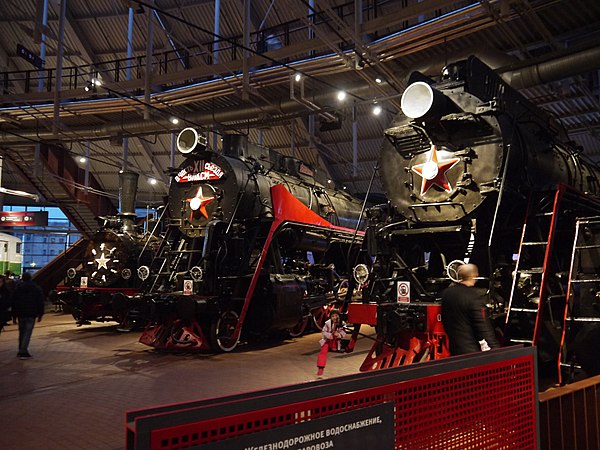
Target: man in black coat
464,315
27,305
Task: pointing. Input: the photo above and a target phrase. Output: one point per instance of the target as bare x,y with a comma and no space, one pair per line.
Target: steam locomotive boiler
255,244
473,172
96,288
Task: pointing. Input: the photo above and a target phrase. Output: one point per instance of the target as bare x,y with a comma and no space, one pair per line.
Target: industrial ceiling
117,73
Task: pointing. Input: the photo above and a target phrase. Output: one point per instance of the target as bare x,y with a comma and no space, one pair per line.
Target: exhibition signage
24,219
372,426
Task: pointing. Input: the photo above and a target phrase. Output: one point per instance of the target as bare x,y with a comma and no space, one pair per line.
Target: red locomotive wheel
300,327
221,332
320,316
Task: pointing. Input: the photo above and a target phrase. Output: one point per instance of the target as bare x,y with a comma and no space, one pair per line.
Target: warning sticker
403,292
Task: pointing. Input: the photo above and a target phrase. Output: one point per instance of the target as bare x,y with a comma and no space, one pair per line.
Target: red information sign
24,219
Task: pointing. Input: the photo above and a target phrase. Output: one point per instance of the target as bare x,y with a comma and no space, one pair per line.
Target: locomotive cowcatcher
474,172
254,245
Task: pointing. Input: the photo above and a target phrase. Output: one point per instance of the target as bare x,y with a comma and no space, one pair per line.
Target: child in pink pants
332,331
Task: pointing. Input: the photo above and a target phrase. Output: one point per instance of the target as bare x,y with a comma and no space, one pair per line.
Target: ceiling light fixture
341,95
174,120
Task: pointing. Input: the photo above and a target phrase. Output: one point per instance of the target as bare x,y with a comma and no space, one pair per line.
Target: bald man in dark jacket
464,315
27,305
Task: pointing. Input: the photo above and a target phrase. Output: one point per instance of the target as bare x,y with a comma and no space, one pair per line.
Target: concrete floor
74,392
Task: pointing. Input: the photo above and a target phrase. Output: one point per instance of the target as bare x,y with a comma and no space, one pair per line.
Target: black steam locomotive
474,173
254,244
97,287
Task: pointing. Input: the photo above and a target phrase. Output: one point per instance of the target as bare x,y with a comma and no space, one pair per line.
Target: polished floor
74,392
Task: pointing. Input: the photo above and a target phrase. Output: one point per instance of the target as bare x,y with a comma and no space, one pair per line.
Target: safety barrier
570,416
481,401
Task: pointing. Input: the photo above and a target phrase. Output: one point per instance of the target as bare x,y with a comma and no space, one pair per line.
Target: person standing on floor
332,332
465,316
27,305
5,303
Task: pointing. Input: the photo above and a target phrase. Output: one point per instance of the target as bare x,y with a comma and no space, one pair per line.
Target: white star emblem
102,261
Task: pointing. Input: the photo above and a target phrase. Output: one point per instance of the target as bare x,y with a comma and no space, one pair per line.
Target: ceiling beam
77,36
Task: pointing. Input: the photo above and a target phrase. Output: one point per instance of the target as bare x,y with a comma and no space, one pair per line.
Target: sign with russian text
373,427
199,171
24,218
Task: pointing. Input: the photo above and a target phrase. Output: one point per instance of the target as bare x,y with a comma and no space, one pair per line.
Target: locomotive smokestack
128,182
235,145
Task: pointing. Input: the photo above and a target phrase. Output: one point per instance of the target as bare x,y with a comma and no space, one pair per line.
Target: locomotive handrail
151,234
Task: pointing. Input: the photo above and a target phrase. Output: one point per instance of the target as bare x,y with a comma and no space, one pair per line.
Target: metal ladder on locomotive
537,307
578,348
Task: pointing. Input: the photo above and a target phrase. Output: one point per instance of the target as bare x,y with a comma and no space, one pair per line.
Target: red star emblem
434,171
198,203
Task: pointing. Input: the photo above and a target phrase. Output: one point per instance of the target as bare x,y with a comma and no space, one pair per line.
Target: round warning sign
188,287
403,292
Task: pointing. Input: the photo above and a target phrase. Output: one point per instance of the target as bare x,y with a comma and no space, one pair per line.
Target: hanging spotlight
82,159
174,120
152,181
96,82
376,109
341,95
378,80
90,85
297,77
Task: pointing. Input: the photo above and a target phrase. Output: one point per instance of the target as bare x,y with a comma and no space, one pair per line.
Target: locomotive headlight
420,99
126,273
361,273
71,272
195,203
430,170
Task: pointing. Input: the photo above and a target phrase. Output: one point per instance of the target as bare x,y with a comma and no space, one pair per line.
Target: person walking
332,331
464,315
27,305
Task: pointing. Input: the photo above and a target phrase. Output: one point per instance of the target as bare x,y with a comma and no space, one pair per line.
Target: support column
246,69
86,178
354,142
149,48
128,77
217,31
43,46
59,61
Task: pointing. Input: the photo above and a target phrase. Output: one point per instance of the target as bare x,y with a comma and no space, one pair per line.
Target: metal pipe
552,70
